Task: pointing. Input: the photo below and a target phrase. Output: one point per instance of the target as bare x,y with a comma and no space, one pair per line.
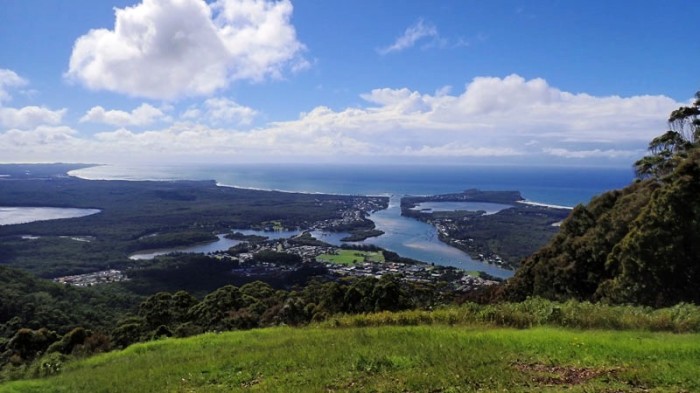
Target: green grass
351,257
535,312
437,358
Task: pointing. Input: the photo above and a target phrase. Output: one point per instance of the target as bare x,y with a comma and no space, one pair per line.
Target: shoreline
306,192
217,183
540,204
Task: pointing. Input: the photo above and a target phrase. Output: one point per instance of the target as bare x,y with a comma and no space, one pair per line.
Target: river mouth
23,215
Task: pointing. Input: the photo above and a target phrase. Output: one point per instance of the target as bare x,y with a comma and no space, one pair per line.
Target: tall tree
638,245
669,149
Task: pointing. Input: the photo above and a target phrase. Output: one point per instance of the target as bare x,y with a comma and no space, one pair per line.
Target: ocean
565,186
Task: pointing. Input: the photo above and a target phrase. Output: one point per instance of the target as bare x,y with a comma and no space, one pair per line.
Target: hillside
637,245
30,302
437,358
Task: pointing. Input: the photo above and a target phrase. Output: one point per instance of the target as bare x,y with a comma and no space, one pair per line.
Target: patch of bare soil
563,375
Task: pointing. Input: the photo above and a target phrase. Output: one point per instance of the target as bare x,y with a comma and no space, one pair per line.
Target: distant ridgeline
637,245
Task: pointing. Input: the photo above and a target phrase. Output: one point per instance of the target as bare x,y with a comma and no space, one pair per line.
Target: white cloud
29,117
165,49
9,79
501,119
413,34
26,117
39,136
143,115
595,153
461,150
44,144
221,111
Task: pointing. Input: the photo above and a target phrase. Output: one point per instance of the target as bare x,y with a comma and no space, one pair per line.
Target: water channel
406,236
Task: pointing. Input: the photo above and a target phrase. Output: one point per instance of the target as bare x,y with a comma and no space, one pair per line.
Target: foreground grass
437,358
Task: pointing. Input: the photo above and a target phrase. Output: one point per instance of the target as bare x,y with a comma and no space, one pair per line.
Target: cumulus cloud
26,117
44,143
595,153
508,118
410,36
165,49
143,115
9,79
221,111
39,136
29,117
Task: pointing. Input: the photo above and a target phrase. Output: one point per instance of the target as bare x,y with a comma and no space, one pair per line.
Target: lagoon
222,244
24,215
486,207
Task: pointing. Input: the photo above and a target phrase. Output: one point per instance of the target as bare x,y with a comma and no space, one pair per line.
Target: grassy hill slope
435,358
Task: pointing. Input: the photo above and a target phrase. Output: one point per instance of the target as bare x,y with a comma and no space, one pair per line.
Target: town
362,262
258,257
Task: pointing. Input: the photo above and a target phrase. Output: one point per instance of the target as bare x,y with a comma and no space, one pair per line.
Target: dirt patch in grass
564,375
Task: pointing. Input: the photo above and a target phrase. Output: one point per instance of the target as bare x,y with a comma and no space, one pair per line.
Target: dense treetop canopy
638,245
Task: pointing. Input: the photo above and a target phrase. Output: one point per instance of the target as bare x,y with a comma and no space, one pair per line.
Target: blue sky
502,82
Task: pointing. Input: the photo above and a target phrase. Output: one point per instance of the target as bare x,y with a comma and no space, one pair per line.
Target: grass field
351,257
436,358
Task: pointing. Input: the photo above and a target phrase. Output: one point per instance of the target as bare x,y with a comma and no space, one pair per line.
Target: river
406,236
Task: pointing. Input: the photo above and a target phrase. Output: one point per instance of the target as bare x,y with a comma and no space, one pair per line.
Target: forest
638,245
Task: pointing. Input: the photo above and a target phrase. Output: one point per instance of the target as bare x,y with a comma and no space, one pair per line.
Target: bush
682,318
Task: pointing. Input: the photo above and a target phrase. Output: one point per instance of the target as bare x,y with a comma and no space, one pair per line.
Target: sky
526,82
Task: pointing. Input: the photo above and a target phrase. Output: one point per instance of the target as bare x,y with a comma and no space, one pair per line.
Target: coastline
392,239
220,183
72,173
552,206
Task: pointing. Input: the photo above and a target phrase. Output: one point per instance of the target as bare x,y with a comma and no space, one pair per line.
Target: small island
247,238
359,235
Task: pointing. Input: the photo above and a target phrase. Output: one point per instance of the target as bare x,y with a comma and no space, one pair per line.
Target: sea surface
566,186
559,186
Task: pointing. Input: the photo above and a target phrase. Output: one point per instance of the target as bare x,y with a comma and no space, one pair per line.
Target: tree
636,245
670,148
658,258
163,312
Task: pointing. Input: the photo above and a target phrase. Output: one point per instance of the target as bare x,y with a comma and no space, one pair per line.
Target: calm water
407,237
23,215
418,240
559,186
222,244
486,207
